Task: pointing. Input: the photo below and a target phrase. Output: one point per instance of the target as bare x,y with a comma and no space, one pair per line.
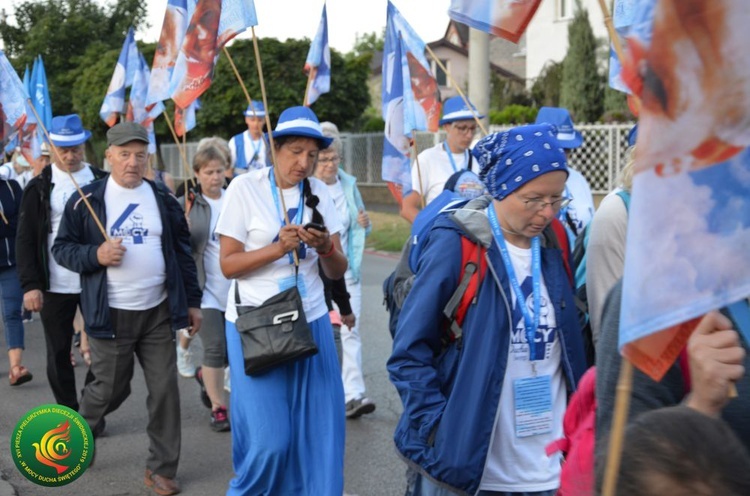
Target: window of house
440,76
565,9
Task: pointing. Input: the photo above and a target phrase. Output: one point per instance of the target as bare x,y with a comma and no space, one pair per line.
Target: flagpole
75,183
239,78
310,77
270,133
458,88
617,430
183,154
419,170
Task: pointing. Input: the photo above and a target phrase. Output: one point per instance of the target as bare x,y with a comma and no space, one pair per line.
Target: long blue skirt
288,424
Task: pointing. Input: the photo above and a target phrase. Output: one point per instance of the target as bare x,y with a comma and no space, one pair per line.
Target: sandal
19,375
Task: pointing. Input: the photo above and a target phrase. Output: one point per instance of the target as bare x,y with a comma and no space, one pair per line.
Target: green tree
581,90
546,89
369,43
68,33
504,92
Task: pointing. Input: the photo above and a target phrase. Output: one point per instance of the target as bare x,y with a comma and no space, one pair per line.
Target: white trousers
351,344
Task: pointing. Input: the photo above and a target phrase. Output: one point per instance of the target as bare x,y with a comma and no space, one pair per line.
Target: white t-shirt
254,149
436,168
339,199
62,280
217,286
250,216
581,209
133,216
520,464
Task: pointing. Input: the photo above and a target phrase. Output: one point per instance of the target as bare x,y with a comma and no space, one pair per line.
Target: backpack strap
562,242
466,293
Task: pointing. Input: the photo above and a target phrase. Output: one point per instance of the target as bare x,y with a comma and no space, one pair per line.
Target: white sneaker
185,365
227,386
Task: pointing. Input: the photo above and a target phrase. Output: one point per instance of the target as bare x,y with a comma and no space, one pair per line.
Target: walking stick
180,147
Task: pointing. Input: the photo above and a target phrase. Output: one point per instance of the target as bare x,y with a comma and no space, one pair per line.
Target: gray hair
221,146
625,176
330,130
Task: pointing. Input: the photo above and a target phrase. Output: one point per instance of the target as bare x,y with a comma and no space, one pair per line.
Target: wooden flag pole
75,183
310,77
237,74
458,88
180,147
419,170
617,431
270,133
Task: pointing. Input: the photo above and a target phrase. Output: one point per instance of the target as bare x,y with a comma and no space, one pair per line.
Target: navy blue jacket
10,203
451,398
79,238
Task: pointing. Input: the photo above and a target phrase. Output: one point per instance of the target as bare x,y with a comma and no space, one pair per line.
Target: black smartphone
314,225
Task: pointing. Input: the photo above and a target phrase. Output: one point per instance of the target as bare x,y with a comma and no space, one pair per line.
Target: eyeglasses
538,204
335,159
465,129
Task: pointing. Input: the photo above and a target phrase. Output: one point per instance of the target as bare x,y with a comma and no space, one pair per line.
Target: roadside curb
383,254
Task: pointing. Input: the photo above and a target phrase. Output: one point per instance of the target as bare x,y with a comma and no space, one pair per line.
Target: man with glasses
49,288
435,165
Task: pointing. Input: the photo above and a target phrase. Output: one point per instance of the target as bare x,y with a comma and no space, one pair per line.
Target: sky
346,18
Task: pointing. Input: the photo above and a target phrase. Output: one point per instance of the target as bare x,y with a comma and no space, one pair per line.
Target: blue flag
318,63
122,78
504,18
138,110
689,219
40,94
13,96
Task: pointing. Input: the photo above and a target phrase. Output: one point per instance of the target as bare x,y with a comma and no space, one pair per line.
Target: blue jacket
450,399
357,233
79,238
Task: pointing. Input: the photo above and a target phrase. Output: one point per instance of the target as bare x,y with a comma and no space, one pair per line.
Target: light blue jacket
357,233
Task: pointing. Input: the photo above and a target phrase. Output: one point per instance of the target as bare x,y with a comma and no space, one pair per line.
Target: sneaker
227,385
359,407
204,395
185,362
220,420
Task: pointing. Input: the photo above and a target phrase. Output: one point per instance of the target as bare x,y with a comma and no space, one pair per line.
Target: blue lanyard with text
298,217
532,323
450,156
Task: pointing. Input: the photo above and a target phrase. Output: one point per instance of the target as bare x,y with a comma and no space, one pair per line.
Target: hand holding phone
314,225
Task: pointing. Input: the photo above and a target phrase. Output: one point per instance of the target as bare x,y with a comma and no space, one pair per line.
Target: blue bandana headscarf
510,159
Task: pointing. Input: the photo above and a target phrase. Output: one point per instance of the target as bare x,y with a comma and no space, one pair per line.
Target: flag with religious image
176,18
212,25
504,18
318,63
689,219
122,78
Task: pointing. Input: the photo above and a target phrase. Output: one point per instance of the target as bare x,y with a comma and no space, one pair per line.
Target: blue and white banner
318,63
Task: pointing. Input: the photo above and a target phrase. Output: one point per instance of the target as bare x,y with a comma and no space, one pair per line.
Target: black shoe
220,420
357,408
99,429
204,395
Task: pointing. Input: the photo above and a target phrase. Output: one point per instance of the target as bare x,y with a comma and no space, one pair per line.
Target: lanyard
297,217
450,157
536,350
256,149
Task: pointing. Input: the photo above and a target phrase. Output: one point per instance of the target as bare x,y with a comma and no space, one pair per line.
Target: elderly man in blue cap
580,211
249,148
49,288
440,162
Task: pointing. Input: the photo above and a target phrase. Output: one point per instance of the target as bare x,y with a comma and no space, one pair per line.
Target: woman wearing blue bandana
478,417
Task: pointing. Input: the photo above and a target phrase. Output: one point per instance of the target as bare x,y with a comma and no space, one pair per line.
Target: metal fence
600,158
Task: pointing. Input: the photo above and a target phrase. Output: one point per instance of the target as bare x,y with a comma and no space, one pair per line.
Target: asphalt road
372,467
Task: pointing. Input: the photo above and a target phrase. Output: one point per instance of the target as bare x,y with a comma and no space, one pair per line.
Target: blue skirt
288,424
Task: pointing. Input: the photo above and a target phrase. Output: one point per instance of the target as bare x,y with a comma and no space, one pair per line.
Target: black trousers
58,312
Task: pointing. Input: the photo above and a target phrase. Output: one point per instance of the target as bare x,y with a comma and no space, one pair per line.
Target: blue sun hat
455,109
300,121
67,130
510,159
255,109
560,118
633,135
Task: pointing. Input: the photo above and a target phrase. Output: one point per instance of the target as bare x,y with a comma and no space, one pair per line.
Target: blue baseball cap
255,109
300,121
455,109
67,130
560,118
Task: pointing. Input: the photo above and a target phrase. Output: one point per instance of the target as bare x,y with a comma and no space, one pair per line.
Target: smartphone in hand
314,225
